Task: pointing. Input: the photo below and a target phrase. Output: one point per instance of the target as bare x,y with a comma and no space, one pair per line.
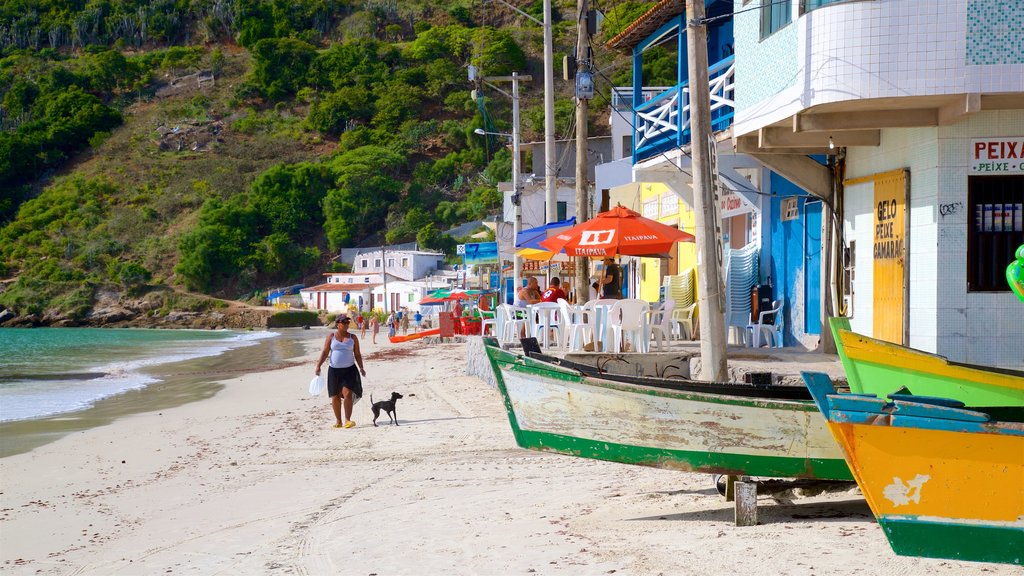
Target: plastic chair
681,289
772,332
489,319
661,324
629,316
575,331
512,323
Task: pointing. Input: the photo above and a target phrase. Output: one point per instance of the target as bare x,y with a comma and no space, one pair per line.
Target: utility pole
550,160
517,220
711,293
583,76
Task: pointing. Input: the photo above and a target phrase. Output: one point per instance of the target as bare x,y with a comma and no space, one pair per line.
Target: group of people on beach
609,286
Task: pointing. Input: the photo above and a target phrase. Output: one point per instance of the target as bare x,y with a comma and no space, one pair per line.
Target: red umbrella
617,231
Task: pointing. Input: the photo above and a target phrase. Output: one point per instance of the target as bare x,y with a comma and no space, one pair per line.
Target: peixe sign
997,156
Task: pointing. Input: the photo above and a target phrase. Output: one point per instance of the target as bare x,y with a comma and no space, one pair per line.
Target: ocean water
49,371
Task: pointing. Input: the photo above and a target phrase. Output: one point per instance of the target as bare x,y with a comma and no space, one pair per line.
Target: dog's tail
371,397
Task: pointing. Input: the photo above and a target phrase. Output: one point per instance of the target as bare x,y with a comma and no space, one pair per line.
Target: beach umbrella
617,231
528,241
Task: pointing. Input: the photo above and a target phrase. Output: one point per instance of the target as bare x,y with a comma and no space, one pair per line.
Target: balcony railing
663,122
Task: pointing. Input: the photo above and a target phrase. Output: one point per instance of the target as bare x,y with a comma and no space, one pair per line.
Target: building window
412,297
808,5
365,263
391,262
376,263
775,14
995,228
405,262
561,211
790,209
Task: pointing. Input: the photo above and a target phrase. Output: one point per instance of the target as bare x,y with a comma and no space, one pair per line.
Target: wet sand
180,383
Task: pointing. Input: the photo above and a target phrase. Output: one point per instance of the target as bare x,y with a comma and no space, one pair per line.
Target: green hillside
216,147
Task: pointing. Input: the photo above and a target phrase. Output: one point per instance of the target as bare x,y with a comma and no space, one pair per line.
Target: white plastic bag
317,385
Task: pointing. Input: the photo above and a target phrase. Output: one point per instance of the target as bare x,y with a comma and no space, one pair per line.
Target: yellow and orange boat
943,482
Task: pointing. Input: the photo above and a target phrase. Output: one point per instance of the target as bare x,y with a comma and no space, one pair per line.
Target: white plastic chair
772,332
629,316
575,331
661,324
512,324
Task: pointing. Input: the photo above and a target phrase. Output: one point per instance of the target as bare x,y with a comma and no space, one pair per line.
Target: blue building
762,205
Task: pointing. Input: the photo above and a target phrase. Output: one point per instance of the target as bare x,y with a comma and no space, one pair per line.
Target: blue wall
795,260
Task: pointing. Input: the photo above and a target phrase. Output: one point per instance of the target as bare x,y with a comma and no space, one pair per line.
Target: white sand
256,481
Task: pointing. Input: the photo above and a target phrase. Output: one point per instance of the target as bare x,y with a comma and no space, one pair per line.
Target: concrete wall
876,49
981,328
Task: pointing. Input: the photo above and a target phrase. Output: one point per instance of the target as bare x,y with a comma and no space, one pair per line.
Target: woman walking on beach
344,384
374,327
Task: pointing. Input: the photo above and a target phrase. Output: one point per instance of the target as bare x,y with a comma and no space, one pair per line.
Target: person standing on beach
405,322
344,382
612,281
374,326
390,323
361,322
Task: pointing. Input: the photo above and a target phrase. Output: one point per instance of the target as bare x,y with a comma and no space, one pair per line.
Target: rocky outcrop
155,309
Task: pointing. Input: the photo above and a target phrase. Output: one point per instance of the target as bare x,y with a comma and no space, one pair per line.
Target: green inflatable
1015,274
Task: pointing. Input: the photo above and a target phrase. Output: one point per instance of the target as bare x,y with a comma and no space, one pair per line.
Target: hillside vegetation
222,146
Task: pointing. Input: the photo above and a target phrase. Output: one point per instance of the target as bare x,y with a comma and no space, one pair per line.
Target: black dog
388,406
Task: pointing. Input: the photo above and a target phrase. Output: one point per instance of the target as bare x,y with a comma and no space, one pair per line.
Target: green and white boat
694,426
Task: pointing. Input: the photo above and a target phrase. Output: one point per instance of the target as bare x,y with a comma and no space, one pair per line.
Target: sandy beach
254,480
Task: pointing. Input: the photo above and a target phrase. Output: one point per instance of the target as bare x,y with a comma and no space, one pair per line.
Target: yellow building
656,201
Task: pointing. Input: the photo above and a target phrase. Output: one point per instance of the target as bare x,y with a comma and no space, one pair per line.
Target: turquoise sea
50,371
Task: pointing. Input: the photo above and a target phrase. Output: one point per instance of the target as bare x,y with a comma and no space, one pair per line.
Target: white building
922,104
341,291
401,264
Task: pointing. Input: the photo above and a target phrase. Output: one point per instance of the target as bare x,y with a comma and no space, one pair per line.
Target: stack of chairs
741,275
681,289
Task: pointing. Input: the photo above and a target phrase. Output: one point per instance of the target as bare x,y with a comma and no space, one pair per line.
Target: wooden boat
877,367
943,482
681,425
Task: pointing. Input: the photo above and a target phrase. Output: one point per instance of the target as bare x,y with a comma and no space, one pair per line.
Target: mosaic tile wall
763,67
995,32
877,49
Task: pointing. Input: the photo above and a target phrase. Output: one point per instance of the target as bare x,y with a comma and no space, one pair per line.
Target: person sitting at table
554,291
529,294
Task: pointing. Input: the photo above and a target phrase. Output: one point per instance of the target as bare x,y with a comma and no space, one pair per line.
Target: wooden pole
582,106
710,286
550,160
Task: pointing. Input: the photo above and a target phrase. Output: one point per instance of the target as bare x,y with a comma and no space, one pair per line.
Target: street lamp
517,220
483,132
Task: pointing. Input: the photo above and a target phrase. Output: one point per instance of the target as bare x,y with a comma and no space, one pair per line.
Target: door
812,268
890,250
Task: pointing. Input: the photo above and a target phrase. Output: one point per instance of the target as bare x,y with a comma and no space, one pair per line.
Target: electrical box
584,85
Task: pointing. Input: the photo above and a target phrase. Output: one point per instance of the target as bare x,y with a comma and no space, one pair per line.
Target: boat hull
559,410
877,367
940,487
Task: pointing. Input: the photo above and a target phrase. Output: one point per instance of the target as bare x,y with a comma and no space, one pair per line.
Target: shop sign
732,204
541,265
997,156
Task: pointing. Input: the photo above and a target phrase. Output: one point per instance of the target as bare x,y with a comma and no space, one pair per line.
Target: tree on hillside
281,66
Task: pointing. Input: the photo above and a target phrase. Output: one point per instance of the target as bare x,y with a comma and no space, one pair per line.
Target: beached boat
943,482
681,425
877,367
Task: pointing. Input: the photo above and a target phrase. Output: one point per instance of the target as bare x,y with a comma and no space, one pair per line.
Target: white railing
665,119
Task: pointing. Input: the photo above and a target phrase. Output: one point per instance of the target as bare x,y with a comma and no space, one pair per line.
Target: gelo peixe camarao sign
997,156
